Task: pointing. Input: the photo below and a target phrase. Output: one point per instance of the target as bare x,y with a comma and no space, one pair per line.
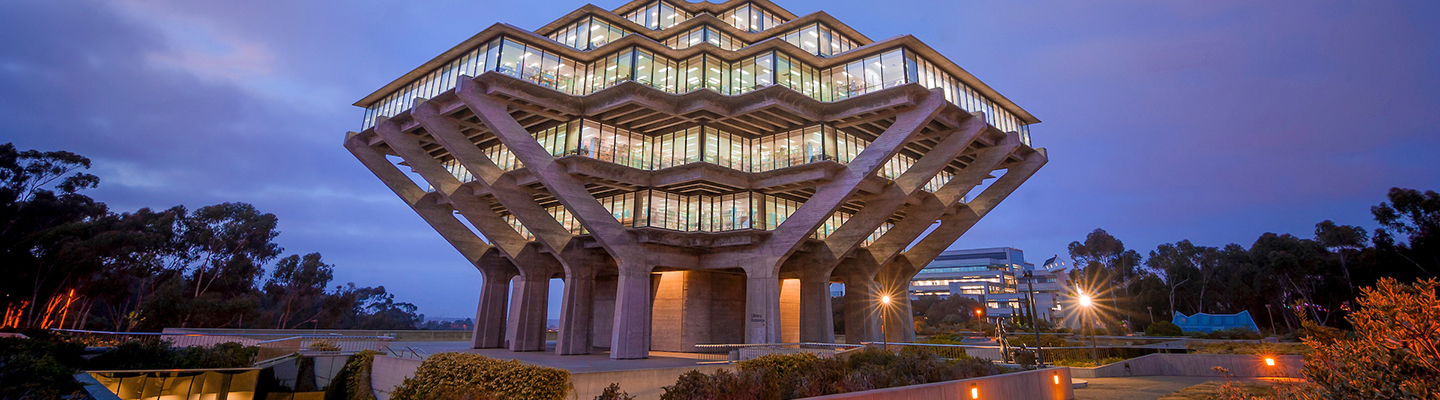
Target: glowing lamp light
1270,361
974,391
1085,300
977,311
884,299
1057,378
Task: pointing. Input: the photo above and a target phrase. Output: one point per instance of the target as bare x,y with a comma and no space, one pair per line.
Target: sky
1213,121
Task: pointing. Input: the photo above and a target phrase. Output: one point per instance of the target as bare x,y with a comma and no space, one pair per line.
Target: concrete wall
604,310
388,372
1241,366
645,384
695,307
1028,385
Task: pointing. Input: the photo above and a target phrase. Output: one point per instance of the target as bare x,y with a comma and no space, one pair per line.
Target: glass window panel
893,69
510,58
764,70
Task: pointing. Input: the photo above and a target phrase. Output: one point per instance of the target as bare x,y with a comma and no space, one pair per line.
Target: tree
297,287
1105,266
1414,217
1340,239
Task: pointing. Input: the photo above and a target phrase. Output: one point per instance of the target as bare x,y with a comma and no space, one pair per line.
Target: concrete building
996,278
693,172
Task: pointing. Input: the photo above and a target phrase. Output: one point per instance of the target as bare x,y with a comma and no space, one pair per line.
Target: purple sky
1213,121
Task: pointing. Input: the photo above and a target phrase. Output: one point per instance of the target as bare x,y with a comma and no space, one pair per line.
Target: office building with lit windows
996,278
693,172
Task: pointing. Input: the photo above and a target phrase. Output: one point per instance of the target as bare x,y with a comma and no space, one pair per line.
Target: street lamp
1087,303
885,305
1152,313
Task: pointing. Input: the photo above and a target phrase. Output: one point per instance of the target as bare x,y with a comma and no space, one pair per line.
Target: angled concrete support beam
440,218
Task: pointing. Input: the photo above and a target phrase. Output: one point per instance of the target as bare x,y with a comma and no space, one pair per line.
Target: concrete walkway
1139,387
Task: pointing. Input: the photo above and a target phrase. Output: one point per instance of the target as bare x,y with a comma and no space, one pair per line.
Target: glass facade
819,39
704,34
658,15
881,70
605,142
751,18
588,33
697,213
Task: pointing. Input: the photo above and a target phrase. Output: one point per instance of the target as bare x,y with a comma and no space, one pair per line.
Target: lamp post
1152,313
1088,305
884,306
1030,292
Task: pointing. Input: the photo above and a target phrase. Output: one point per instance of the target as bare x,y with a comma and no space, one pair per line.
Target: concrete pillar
790,310
530,300
817,319
862,322
490,315
575,314
631,335
762,306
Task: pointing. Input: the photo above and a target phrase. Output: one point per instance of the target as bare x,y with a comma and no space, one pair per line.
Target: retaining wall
1029,385
1240,366
399,335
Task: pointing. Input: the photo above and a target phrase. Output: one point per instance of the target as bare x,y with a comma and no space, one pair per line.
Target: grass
1086,363
1260,388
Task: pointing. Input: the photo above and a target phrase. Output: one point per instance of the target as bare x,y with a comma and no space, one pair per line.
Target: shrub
1395,352
1163,328
789,376
157,354
613,392
468,374
324,345
38,369
353,380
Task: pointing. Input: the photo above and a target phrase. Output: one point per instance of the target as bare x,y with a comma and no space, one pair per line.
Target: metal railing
409,352
729,353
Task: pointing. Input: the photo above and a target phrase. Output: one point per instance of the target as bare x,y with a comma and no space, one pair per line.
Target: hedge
475,376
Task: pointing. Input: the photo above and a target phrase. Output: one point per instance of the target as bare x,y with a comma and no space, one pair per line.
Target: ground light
974,391
1270,361
1057,378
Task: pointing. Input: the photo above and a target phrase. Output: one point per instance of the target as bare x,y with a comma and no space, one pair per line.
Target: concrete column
817,320
490,315
762,306
631,336
530,299
575,314
862,322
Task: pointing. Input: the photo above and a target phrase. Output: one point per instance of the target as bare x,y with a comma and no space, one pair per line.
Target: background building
996,278
693,172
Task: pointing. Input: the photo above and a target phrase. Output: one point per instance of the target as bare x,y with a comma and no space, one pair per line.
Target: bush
1395,353
613,392
38,368
353,380
157,354
1163,328
789,376
465,374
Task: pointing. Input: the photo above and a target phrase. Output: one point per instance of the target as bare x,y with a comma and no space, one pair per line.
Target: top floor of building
731,48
